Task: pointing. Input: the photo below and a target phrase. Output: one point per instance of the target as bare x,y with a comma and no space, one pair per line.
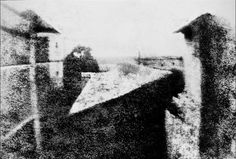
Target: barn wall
15,93
15,86
130,126
15,96
15,78
212,56
14,49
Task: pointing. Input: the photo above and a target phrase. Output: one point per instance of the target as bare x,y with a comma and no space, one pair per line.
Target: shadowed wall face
130,126
212,45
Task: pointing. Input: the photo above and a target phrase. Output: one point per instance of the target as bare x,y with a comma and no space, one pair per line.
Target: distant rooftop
162,58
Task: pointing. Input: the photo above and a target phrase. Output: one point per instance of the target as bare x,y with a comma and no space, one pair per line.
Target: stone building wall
16,43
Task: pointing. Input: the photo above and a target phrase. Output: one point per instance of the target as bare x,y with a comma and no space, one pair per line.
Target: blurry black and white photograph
118,79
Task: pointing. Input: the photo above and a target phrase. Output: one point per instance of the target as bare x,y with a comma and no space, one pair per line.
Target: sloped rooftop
113,84
13,20
38,24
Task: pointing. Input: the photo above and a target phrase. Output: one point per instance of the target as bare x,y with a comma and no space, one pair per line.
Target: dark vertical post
139,58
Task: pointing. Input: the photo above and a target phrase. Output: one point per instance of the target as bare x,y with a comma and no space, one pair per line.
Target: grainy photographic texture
215,48
114,79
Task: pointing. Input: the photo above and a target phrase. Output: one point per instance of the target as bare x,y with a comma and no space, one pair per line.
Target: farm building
29,53
118,114
210,69
162,62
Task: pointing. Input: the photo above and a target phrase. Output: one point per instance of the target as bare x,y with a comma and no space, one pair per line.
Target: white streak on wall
192,69
34,98
233,148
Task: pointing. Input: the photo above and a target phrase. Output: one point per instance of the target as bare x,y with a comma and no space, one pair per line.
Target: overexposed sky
124,27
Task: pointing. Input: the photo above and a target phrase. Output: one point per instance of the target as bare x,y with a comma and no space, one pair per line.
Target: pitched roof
191,29
24,22
38,24
103,87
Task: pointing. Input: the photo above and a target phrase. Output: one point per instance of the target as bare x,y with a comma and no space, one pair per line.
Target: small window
57,73
56,45
173,63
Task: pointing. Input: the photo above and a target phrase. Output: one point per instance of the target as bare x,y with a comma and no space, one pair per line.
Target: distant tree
72,71
79,60
89,64
78,49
